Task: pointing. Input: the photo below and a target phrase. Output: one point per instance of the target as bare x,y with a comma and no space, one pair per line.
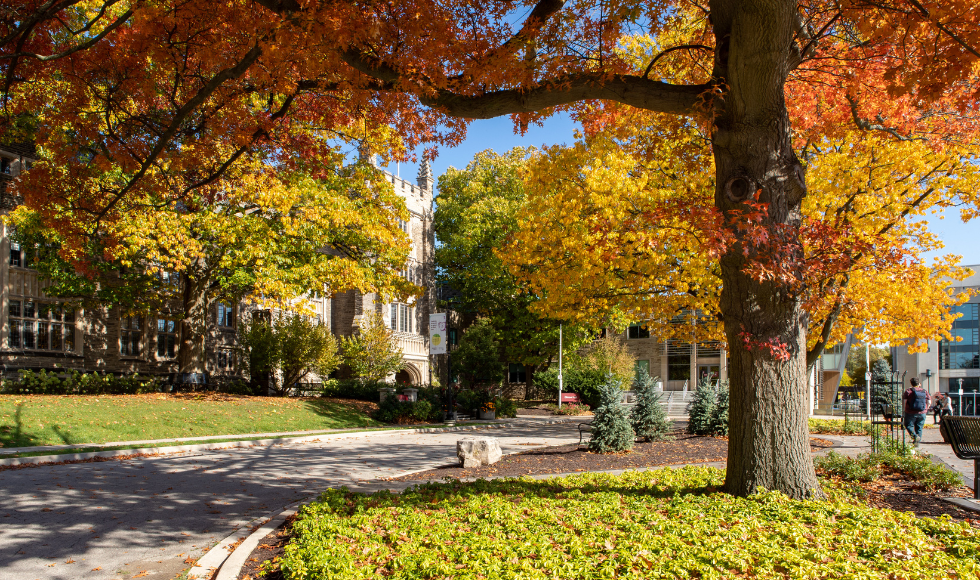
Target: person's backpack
918,401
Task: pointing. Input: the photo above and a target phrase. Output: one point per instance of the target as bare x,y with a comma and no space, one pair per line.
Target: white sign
438,334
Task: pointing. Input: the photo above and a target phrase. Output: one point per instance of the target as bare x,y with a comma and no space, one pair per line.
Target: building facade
948,365
38,331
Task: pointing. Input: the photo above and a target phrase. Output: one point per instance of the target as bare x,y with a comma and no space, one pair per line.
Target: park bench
963,434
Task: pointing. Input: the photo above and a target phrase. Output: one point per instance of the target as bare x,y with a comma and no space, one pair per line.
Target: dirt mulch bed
895,493
270,548
684,448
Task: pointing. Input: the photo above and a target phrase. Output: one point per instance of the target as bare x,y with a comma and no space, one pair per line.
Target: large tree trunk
765,325
191,356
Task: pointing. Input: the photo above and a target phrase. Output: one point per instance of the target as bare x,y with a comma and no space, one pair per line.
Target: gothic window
226,315
40,326
166,338
129,336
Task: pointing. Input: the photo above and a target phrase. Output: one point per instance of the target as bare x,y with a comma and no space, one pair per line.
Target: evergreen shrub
611,430
649,417
708,412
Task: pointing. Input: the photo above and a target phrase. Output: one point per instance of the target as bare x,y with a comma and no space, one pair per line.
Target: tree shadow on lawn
343,412
14,435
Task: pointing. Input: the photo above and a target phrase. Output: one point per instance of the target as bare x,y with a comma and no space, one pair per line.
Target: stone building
42,332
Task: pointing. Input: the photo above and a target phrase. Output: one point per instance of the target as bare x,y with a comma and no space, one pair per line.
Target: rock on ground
477,451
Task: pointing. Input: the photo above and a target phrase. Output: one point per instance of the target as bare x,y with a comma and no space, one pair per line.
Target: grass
656,524
31,420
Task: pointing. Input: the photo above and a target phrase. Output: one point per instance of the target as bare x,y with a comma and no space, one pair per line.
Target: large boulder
477,451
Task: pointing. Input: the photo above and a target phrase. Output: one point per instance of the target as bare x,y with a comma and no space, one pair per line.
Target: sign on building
438,334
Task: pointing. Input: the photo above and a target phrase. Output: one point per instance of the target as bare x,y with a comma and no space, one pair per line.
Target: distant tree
292,347
477,359
476,212
607,355
372,354
856,365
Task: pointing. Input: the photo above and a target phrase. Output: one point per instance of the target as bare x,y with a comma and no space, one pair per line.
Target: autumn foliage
723,112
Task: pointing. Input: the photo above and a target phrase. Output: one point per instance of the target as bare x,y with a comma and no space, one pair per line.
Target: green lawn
27,420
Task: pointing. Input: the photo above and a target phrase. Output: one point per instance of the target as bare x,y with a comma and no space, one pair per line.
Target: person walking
945,406
915,402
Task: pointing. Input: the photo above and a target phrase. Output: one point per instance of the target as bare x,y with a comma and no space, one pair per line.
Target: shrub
570,409
702,408
611,431
352,389
708,412
649,417
663,523
868,467
43,382
505,407
391,410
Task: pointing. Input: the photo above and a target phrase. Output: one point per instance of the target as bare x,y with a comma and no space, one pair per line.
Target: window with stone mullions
226,315
166,338
401,318
40,326
130,333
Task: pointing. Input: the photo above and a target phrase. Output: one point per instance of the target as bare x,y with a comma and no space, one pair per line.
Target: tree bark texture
190,357
768,445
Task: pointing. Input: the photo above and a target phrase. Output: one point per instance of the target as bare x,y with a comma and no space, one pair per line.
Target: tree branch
626,89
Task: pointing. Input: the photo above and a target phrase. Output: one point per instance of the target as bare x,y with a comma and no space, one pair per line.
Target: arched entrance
408,376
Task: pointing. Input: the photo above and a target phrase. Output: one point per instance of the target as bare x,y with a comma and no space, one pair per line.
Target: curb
213,560
147,452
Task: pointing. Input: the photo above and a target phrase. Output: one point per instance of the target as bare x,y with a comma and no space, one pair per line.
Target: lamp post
560,345
961,397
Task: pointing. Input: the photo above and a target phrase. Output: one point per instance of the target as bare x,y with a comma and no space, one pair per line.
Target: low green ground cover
868,467
839,427
657,524
28,420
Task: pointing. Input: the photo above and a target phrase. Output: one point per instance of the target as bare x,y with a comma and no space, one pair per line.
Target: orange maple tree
176,92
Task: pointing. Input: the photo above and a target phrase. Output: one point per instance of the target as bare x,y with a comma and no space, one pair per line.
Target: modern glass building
949,365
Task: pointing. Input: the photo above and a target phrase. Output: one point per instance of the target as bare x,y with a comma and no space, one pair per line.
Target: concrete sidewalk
152,517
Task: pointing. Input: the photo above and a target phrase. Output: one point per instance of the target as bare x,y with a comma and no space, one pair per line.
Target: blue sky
498,134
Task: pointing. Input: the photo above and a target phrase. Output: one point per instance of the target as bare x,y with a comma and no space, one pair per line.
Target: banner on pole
438,335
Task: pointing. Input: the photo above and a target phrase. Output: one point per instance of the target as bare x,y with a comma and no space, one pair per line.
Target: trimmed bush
45,382
639,525
585,383
391,410
649,417
352,389
611,431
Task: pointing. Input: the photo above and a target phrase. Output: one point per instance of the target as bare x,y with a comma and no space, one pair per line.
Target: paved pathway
120,519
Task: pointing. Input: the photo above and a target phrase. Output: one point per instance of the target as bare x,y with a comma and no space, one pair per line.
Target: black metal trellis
886,411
